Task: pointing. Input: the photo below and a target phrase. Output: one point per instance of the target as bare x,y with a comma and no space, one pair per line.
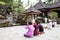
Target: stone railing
3,23
58,20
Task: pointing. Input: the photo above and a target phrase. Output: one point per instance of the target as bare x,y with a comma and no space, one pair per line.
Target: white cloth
33,20
50,25
54,23
45,20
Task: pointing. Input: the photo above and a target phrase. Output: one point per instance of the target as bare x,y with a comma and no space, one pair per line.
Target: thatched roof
40,5
55,5
31,9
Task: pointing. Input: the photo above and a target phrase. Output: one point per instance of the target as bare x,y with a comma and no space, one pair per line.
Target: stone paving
17,33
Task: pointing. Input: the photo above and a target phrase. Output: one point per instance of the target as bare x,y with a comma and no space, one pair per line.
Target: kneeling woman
30,31
36,26
41,29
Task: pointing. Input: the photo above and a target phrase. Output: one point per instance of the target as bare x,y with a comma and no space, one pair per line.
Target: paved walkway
17,33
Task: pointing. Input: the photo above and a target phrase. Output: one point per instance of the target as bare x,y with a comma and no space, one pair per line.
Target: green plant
54,14
2,2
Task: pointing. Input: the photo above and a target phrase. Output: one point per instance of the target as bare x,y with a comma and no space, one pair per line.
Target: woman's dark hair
36,21
30,23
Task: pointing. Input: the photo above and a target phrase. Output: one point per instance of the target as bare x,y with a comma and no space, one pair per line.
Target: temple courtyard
17,33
